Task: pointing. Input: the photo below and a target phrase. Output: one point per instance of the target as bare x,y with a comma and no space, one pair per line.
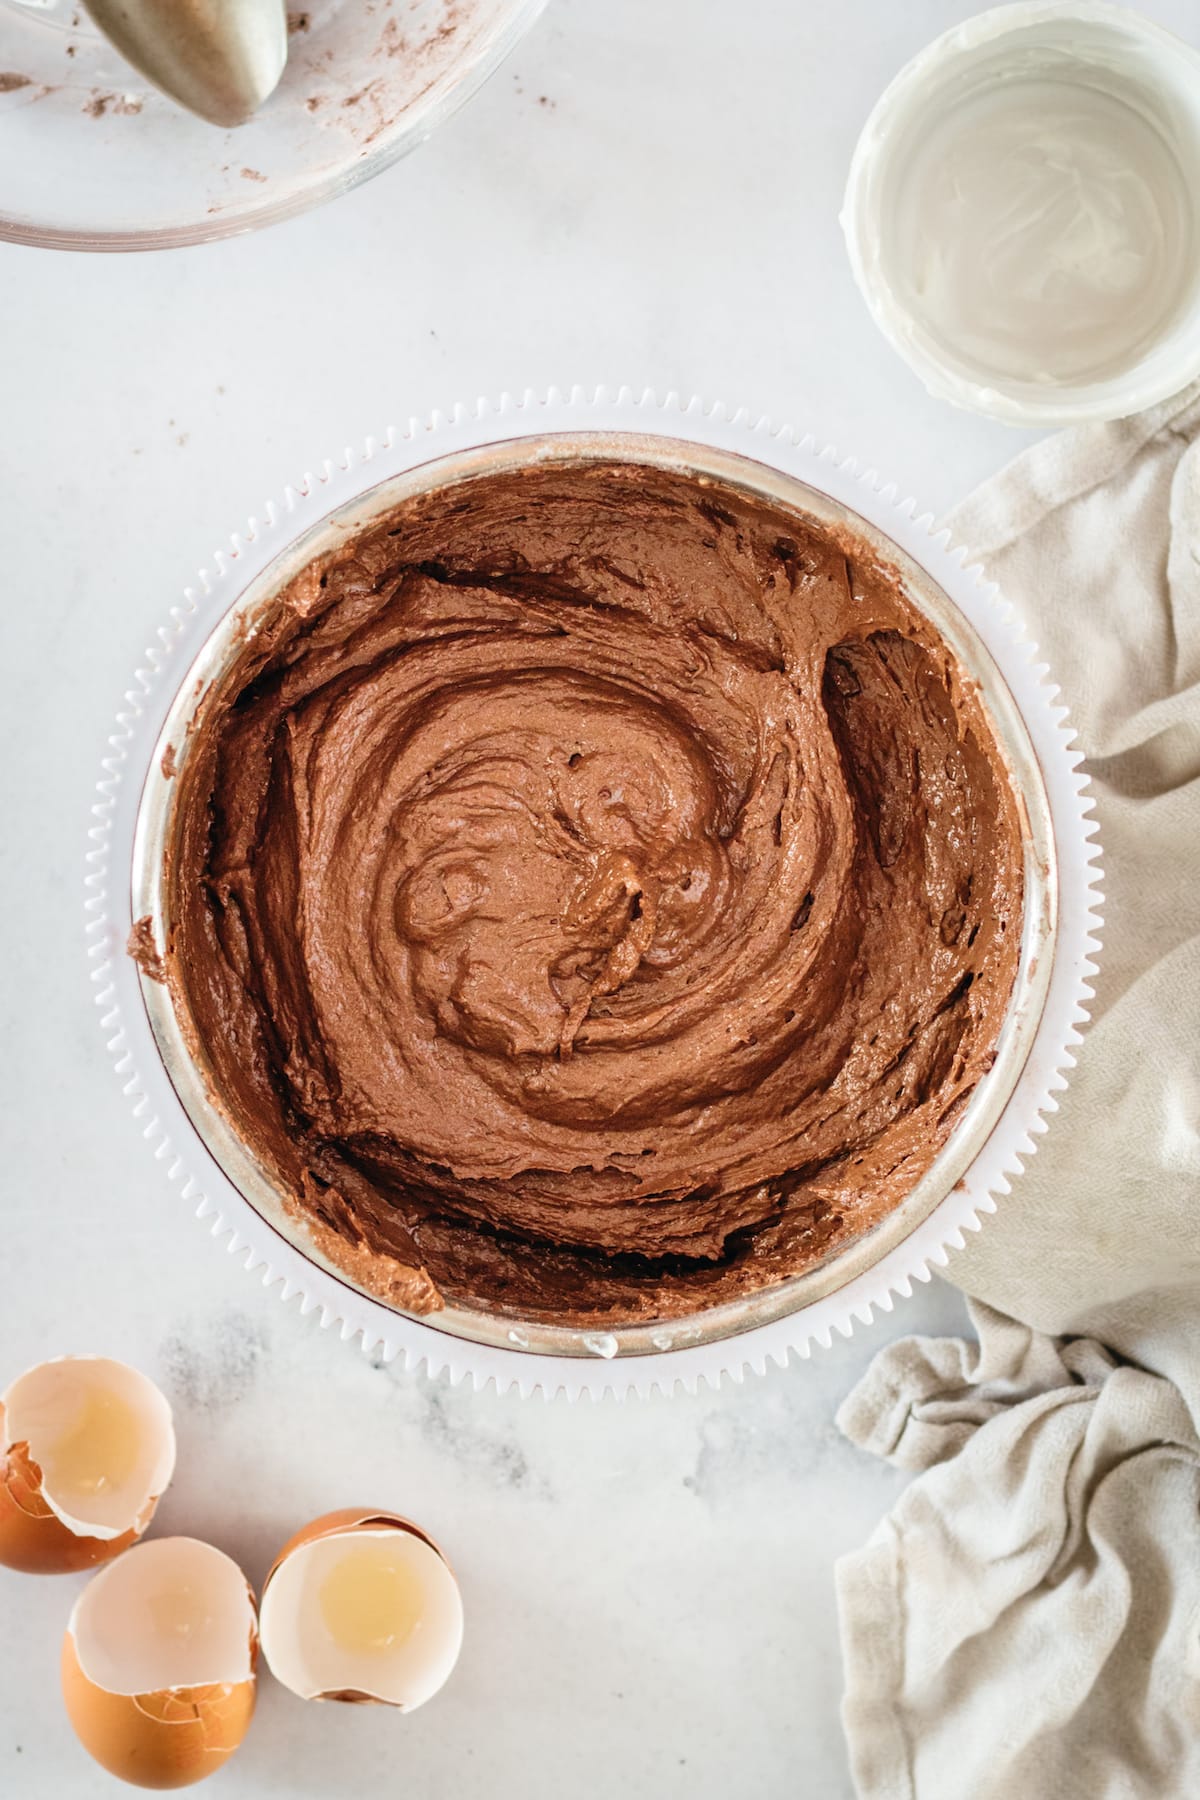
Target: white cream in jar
1023,213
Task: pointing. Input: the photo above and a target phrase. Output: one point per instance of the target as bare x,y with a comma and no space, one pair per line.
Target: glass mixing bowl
93,158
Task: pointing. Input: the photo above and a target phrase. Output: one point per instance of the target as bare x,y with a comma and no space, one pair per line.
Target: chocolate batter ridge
595,894
141,947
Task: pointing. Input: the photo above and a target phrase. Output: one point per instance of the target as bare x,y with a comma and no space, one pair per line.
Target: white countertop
646,193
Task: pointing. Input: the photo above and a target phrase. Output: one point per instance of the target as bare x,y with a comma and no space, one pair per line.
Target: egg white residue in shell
367,1611
172,1613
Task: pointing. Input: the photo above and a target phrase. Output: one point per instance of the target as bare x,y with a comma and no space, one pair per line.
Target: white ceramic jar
1023,213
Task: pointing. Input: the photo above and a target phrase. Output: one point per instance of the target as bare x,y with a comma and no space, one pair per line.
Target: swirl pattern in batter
596,894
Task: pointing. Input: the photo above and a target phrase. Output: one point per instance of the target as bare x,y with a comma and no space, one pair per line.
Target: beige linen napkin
1026,1623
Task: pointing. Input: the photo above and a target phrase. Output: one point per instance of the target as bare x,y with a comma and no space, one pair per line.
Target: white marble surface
646,193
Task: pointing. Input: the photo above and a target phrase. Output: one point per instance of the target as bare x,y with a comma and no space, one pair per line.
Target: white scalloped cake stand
170,1133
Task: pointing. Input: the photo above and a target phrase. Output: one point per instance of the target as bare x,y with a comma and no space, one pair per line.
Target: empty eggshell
362,1606
158,1663
86,1449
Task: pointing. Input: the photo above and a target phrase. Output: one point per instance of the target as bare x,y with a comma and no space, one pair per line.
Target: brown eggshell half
349,1518
32,1537
166,1740
343,1522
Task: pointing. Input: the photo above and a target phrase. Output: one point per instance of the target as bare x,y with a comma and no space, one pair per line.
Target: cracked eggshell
87,1448
297,1643
158,1663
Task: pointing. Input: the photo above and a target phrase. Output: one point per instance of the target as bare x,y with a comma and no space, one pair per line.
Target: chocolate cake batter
597,895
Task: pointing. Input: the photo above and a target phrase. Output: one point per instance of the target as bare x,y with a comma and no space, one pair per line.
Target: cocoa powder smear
596,894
